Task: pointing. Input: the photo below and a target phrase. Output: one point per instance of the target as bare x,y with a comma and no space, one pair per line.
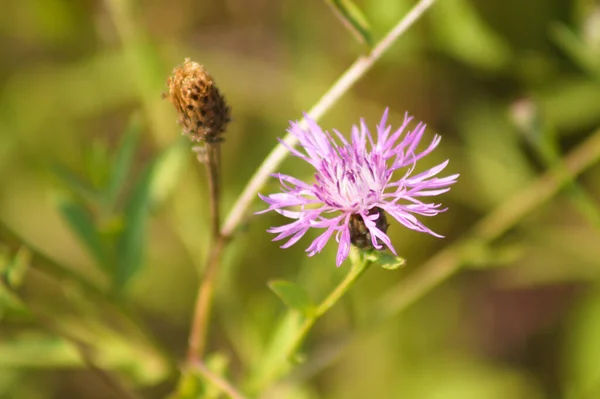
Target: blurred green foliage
104,213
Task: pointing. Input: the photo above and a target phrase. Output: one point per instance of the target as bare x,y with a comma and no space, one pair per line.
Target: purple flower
355,182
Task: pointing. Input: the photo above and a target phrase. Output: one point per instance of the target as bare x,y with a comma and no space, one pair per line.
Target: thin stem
356,71
198,332
224,385
542,139
283,349
197,339
334,296
213,166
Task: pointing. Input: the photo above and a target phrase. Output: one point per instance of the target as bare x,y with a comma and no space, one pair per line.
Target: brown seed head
202,110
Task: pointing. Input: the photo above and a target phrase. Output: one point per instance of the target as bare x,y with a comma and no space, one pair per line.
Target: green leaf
75,184
294,296
170,166
188,386
128,357
582,348
97,162
218,364
81,222
385,260
274,361
9,302
37,351
353,19
131,241
123,160
156,183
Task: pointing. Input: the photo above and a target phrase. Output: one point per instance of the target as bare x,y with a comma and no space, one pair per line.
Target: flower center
357,185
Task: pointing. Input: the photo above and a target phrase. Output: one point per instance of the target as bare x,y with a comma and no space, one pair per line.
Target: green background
94,175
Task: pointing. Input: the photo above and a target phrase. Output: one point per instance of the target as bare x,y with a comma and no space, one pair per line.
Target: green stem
358,268
293,329
549,152
205,293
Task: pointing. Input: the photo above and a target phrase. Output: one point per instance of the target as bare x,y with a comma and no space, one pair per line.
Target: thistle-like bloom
355,183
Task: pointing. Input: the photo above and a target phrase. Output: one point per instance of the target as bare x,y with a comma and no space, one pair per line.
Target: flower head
355,183
200,106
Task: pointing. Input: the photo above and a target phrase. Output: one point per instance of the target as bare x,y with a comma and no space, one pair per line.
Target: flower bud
202,110
360,236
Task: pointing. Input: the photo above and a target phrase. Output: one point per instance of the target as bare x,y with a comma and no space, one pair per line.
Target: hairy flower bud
202,110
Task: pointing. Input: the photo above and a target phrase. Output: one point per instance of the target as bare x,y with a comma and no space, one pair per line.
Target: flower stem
204,298
293,329
359,265
213,168
356,71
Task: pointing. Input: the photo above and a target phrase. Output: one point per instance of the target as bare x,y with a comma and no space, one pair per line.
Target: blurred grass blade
579,52
170,166
123,160
542,137
294,296
582,347
132,239
83,226
12,274
38,351
156,183
10,303
465,35
353,19
75,184
97,162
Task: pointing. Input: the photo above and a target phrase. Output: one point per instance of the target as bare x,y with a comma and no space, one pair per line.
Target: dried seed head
202,110
359,233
